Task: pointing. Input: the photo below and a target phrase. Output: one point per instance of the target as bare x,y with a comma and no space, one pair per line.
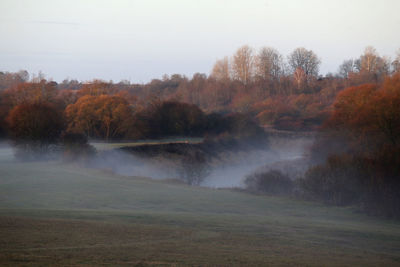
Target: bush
194,168
337,182
76,147
383,182
273,182
236,130
371,183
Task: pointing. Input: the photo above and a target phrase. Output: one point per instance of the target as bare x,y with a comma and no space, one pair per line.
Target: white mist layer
288,155
6,152
228,170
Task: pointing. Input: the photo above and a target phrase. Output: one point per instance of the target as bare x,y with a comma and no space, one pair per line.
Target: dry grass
55,214
44,241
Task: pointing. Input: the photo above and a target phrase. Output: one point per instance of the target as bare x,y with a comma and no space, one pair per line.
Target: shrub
337,182
383,183
273,182
194,168
371,183
76,147
235,130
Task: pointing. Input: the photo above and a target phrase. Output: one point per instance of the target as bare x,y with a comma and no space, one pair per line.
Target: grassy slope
54,213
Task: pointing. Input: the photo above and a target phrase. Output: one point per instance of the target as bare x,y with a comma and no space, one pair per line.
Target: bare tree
347,67
368,61
269,64
305,59
243,64
371,62
396,62
221,70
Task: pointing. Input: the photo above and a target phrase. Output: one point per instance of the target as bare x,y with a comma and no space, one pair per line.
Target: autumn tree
195,88
371,62
23,93
65,97
35,126
305,59
217,94
269,64
105,117
243,64
386,109
97,88
369,114
366,119
10,79
370,67
30,92
221,70
349,115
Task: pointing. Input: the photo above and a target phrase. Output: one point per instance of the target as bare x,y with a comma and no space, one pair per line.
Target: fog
126,164
6,151
288,155
227,169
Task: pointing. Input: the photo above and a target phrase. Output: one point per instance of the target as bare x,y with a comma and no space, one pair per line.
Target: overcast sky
138,40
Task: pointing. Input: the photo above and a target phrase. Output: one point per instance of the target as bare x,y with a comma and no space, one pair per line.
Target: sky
138,40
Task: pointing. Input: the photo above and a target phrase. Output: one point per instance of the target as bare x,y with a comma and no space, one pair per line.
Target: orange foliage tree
97,88
369,115
35,126
29,92
105,116
35,122
367,118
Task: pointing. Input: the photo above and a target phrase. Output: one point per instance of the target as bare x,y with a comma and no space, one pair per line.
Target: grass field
57,214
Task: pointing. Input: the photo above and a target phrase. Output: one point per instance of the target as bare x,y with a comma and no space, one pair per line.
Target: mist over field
289,155
6,151
227,169
53,211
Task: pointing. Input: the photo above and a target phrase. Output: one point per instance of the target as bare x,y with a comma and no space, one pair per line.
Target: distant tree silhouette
170,118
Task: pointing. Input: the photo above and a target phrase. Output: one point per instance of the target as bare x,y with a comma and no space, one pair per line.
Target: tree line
284,94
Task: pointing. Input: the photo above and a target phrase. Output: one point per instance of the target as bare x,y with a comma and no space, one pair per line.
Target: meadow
52,213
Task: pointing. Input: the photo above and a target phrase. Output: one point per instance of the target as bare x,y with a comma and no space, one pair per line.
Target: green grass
57,214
